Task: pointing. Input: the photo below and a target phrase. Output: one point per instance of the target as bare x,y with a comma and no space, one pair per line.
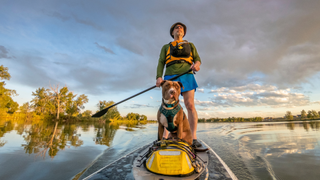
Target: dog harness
179,53
169,114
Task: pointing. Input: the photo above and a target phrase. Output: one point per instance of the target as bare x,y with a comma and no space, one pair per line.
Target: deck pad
202,148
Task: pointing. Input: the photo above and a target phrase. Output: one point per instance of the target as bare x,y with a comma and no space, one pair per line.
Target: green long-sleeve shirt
177,68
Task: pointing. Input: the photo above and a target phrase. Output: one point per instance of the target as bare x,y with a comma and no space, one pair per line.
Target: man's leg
192,113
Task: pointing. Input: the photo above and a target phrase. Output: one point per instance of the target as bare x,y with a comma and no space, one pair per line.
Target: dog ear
164,81
180,84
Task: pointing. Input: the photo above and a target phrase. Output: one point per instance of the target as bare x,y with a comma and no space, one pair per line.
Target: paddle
103,111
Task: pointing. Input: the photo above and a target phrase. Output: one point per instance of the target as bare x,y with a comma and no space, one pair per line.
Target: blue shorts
188,81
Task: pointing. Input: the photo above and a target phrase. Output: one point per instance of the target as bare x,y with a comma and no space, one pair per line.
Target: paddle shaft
102,112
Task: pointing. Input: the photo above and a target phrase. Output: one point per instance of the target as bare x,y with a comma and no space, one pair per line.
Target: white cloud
255,95
135,106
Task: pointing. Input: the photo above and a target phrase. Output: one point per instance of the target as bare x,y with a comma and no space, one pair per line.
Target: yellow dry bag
171,158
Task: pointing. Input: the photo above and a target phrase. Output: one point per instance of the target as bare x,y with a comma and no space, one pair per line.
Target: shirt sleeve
161,62
195,54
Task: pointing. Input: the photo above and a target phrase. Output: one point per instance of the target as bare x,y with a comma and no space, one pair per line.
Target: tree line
55,102
231,119
312,114
113,113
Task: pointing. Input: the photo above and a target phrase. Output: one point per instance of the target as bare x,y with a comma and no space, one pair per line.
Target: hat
174,25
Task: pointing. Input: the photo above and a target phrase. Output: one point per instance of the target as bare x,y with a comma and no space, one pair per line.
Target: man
179,56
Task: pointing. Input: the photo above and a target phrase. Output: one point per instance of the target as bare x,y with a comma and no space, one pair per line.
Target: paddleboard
127,167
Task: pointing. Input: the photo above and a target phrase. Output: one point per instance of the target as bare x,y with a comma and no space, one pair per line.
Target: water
268,150
49,150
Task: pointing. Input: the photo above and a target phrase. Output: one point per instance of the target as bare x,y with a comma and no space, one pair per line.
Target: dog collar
169,105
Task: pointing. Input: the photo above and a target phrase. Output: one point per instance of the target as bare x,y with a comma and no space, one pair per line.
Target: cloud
4,53
205,103
107,50
200,90
248,87
241,44
130,45
279,42
136,106
37,71
57,15
255,95
88,23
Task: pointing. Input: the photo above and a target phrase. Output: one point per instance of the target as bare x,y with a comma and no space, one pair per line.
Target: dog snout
172,91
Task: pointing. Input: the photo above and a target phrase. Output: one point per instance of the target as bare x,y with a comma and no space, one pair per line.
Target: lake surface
50,150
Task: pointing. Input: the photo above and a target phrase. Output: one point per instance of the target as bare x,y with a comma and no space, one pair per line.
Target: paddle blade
101,113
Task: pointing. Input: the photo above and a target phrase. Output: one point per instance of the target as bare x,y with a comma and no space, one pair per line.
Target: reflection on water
275,150
61,141
261,150
48,138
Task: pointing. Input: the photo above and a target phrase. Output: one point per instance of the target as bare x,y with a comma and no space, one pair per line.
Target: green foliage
143,117
314,114
4,74
57,101
289,115
25,108
303,114
6,102
42,103
310,115
136,117
133,116
74,106
231,119
112,113
86,114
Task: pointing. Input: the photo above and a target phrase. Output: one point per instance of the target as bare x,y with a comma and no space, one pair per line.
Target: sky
259,58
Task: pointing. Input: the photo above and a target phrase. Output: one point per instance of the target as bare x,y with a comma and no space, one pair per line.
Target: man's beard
179,34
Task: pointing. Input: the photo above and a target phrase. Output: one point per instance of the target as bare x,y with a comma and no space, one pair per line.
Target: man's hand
159,81
196,66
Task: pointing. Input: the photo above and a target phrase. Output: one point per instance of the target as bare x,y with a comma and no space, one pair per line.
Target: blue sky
259,58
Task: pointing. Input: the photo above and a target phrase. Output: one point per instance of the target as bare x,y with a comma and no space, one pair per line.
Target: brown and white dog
178,120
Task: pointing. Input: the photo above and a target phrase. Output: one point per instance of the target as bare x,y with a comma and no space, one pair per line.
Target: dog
170,114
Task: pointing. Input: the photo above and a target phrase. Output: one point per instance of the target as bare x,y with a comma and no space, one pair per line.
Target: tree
314,114
53,101
258,119
71,107
25,108
86,113
112,113
6,101
289,116
133,116
303,114
143,117
310,115
74,106
4,74
41,102
59,98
